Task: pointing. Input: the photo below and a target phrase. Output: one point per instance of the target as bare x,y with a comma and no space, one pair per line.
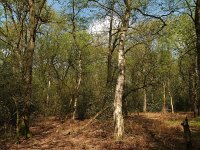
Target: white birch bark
171,102
164,98
78,85
118,116
171,98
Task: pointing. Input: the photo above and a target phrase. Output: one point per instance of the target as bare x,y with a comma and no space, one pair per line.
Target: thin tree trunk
77,48
190,92
164,98
171,97
110,49
171,102
47,99
145,101
17,118
118,116
194,90
109,57
78,85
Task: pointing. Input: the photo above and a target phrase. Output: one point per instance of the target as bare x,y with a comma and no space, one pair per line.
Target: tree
118,117
22,20
193,12
197,27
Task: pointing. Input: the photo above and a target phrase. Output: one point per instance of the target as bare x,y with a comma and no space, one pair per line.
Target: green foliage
8,89
153,58
194,122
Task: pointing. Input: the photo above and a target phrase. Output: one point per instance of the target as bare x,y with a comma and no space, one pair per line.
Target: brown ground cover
151,131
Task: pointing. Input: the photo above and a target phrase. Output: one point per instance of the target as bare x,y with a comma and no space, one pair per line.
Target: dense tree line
74,58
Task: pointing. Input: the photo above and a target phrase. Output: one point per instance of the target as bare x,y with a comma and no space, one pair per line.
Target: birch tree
118,117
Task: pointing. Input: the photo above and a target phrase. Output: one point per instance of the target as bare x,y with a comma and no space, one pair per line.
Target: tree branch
105,7
190,11
156,17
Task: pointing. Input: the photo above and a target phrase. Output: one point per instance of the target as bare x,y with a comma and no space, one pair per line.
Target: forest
100,74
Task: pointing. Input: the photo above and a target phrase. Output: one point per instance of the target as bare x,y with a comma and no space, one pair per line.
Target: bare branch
105,7
190,11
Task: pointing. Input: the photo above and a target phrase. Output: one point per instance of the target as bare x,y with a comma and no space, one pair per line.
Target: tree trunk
17,119
118,116
109,79
47,99
171,97
27,68
77,48
190,100
194,90
145,101
28,58
78,85
197,27
110,48
25,23
164,98
171,102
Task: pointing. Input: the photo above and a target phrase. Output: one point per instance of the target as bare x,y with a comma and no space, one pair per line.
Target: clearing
151,131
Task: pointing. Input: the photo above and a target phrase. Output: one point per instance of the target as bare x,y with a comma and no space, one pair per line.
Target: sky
156,7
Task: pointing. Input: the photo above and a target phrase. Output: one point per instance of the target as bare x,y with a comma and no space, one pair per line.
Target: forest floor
151,131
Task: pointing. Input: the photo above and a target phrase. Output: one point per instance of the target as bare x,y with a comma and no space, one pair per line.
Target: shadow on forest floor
142,132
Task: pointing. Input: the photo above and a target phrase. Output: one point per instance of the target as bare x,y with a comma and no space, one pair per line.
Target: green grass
192,122
195,122
173,122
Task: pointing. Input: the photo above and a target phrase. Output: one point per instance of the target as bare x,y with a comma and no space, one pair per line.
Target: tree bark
118,116
78,84
145,101
197,27
27,66
28,59
171,102
110,48
25,22
190,91
164,98
171,97
194,89
47,99
78,49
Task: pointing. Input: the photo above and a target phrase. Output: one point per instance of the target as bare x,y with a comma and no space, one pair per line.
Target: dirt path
160,136
141,133
157,135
